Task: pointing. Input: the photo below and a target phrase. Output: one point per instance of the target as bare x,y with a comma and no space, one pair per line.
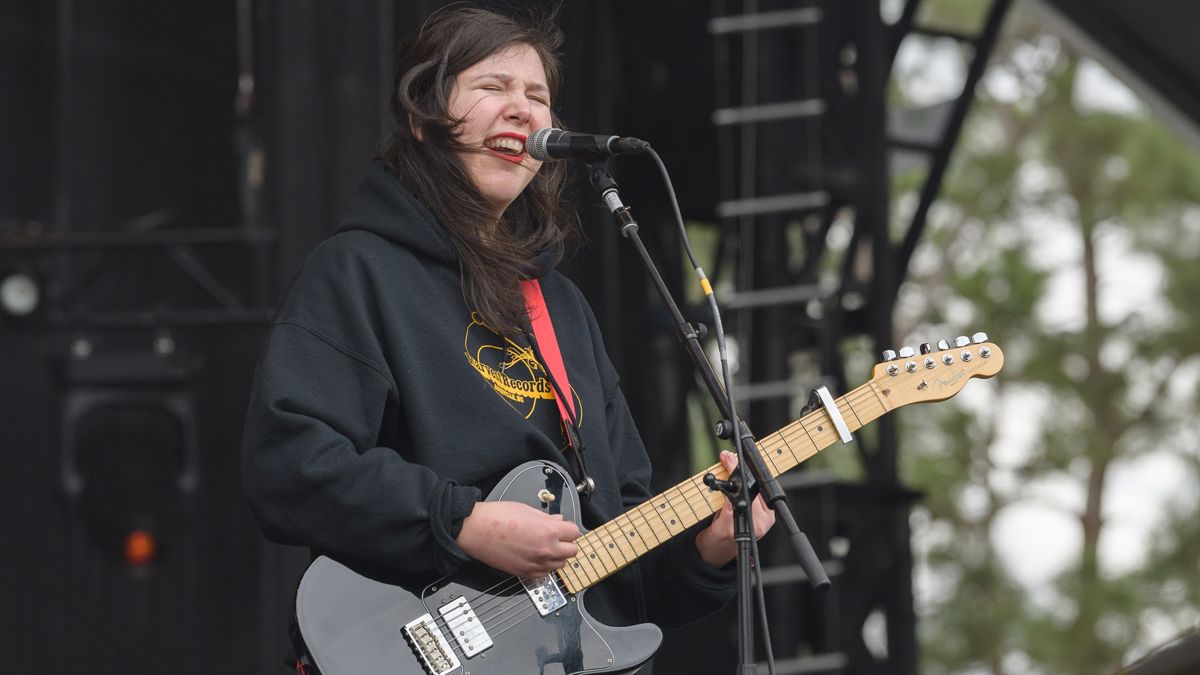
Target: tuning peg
979,337
943,345
962,341
907,352
889,355
925,348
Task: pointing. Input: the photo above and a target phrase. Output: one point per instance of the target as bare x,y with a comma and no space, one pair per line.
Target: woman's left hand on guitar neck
715,542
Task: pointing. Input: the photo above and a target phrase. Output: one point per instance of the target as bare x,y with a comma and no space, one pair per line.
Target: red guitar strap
543,332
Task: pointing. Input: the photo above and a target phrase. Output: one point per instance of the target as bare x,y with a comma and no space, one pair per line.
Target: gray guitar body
353,624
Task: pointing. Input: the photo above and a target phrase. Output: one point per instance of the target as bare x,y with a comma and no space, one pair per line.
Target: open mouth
507,146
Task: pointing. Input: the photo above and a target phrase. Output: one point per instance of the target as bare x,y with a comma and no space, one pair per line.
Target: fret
576,564
645,527
880,399
613,530
588,558
570,579
654,516
627,537
595,538
641,512
849,406
698,499
607,548
605,563
783,443
675,521
630,536
768,458
684,498
564,582
645,512
812,442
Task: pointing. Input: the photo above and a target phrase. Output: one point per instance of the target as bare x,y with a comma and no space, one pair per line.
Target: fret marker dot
672,521
610,545
779,451
820,428
632,534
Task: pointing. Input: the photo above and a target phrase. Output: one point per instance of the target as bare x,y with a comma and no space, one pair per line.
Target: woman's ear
415,128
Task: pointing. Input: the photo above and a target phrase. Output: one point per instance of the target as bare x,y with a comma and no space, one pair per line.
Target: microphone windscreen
535,145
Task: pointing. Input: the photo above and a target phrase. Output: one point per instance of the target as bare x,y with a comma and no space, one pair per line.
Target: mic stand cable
741,486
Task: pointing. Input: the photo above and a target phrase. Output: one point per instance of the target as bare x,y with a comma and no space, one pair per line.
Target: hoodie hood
384,207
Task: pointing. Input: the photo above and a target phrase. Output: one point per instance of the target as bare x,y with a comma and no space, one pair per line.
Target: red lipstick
516,159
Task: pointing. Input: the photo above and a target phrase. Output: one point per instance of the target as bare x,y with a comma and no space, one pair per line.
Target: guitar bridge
430,645
545,594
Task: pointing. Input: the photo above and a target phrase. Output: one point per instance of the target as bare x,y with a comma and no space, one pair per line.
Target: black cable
727,376
762,608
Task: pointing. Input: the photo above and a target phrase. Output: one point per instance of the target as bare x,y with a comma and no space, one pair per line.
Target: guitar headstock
936,375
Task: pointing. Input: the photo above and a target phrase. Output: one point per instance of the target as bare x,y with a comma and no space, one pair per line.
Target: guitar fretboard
622,540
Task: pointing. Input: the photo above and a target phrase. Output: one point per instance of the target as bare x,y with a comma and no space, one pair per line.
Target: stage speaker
129,464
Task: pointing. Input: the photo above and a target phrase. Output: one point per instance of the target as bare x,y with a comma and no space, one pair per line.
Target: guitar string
493,618
507,605
482,615
683,489
513,582
689,489
496,631
513,602
497,597
686,486
519,620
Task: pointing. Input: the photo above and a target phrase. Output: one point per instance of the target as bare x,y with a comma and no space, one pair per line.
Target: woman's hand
518,539
715,542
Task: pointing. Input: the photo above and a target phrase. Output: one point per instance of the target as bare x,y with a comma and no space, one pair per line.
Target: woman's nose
518,108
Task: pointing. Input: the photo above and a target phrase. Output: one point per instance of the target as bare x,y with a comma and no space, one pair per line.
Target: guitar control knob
979,337
962,341
925,348
943,345
889,355
906,352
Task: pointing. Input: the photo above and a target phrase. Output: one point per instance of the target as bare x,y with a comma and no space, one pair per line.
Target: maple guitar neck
929,377
622,540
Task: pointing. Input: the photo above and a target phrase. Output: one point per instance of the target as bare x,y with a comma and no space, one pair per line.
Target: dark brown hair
422,152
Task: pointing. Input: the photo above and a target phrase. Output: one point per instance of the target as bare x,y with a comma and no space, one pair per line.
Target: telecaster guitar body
355,625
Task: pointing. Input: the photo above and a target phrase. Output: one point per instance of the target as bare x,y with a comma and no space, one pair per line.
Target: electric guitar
482,622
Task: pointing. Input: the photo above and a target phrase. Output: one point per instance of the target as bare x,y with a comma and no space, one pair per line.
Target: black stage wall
117,119
122,161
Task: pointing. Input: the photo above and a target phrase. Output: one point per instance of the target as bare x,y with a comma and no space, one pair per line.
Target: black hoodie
382,411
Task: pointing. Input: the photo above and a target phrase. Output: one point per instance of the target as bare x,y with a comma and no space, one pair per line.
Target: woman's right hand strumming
518,539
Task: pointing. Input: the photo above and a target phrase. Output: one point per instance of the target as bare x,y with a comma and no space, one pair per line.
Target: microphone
550,144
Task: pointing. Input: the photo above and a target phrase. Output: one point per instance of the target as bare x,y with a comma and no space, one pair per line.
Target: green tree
1035,166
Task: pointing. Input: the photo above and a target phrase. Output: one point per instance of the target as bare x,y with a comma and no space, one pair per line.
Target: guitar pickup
464,627
544,593
430,645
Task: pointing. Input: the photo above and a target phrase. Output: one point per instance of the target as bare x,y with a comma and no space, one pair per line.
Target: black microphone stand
740,488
